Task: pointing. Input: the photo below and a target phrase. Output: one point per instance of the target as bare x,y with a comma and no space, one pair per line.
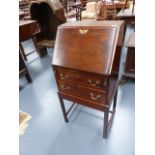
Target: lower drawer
82,91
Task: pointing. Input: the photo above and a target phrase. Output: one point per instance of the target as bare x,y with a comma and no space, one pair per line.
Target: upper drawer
87,79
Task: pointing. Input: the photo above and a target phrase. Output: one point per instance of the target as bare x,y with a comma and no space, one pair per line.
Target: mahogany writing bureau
84,67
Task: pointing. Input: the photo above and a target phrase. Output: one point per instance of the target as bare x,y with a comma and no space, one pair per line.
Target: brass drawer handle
96,83
105,83
83,31
65,87
92,96
90,81
63,77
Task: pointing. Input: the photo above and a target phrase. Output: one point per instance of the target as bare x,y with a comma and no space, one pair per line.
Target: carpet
23,119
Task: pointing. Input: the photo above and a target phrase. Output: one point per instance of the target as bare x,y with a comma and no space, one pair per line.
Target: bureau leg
105,128
107,121
115,100
63,108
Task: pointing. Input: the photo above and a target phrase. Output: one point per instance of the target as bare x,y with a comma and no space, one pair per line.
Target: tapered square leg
105,127
108,121
28,77
63,108
115,100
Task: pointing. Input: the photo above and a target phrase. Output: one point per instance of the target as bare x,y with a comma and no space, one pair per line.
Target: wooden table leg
28,77
22,51
63,108
35,44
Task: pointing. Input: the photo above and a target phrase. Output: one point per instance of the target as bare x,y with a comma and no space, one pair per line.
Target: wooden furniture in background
128,15
130,58
72,8
77,8
23,7
84,68
103,10
27,30
133,5
84,2
21,14
49,15
90,12
23,71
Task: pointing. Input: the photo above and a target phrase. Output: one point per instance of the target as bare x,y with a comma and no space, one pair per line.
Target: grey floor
48,134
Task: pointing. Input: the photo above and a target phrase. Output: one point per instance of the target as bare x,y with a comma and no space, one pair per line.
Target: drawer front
82,91
87,79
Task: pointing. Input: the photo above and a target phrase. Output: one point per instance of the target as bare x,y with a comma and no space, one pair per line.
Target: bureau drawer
82,91
87,79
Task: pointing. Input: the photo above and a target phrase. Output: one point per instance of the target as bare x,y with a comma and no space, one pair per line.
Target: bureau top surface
87,46
93,23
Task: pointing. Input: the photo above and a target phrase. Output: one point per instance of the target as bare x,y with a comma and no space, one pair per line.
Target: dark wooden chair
49,18
106,10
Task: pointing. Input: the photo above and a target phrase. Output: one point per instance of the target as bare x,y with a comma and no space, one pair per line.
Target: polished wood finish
82,91
83,64
93,44
96,81
130,58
